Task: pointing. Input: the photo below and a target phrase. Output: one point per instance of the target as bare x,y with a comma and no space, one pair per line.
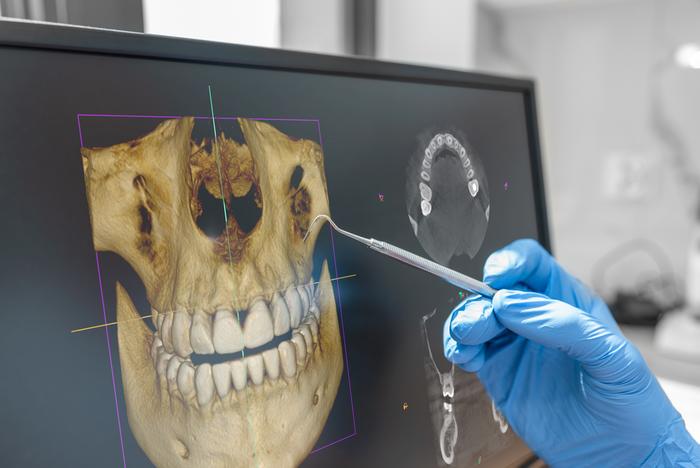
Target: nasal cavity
212,220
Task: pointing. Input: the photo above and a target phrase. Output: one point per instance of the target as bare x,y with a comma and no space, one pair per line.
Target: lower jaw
275,423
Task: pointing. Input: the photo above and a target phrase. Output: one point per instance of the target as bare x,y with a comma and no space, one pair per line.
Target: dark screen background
57,394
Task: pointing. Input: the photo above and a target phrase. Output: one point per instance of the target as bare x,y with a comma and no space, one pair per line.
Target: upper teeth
181,333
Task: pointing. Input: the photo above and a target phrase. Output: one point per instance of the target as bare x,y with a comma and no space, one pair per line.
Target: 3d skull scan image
245,361
447,196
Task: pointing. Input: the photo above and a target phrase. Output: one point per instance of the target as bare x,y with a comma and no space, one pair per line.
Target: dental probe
451,276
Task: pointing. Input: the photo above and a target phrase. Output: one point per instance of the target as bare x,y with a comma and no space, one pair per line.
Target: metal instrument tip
321,216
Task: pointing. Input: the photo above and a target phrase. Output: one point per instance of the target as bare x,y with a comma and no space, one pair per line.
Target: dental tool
451,276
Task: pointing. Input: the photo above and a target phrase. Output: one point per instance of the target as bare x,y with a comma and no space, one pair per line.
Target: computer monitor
160,304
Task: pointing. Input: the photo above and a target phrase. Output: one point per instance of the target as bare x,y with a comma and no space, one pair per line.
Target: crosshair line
143,317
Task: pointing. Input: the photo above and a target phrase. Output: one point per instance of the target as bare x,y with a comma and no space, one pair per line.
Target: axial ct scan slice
447,197
249,296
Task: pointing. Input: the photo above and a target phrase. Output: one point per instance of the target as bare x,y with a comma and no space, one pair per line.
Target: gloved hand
555,363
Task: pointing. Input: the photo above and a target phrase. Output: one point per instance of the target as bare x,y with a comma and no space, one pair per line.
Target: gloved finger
476,363
526,262
473,322
605,354
466,356
522,261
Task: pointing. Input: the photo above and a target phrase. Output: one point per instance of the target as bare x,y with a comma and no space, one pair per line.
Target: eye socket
297,175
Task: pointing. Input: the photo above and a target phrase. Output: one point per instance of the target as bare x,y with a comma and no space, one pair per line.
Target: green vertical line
228,248
223,199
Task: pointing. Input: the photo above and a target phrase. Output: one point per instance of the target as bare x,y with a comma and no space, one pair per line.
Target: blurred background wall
617,106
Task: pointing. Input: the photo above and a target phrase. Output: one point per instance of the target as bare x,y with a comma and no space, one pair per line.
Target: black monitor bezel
61,38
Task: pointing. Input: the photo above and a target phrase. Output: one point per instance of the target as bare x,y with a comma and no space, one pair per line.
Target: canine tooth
157,343
204,384
222,378
271,358
291,297
255,368
304,296
200,333
306,333
185,379
288,358
258,325
162,363
239,373
300,345
228,337
166,332
181,333
280,315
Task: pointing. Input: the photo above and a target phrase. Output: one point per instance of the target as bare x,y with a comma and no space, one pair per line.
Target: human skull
249,295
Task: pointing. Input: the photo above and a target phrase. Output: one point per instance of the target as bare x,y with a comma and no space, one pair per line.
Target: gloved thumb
602,351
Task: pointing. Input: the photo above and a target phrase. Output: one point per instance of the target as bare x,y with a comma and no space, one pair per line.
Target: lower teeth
198,359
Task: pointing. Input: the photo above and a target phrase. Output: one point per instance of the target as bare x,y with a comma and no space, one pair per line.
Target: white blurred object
435,33
685,399
688,56
629,176
678,335
233,21
692,279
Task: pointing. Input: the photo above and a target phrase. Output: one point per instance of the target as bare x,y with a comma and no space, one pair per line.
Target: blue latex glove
555,363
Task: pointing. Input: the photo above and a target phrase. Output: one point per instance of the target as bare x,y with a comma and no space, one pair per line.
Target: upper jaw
278,337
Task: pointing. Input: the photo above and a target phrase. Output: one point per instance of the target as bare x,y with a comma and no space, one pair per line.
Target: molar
258,325
306,333
425,207
172,371
473,186
425,192
155,344
228,337
162,362
166,332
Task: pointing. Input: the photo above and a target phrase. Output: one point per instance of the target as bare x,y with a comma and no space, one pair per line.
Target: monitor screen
166,298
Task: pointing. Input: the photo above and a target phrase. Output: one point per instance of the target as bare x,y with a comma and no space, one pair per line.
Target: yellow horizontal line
103,325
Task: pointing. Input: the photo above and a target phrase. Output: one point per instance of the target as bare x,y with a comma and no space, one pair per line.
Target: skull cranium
248,295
